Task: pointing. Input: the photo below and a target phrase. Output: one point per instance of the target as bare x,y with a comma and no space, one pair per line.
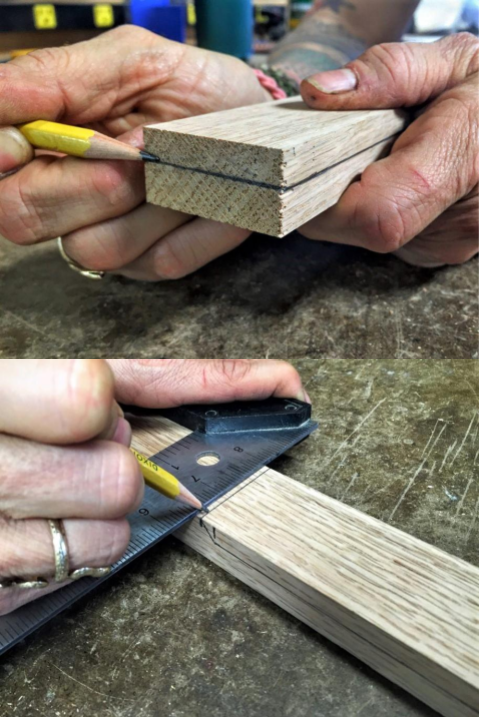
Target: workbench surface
175,636
270,298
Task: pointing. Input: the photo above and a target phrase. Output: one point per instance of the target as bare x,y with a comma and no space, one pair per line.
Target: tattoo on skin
320,42
335,5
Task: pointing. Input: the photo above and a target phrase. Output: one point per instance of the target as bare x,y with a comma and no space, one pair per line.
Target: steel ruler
243,437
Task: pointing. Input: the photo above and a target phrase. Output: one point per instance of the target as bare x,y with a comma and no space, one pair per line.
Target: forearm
337,31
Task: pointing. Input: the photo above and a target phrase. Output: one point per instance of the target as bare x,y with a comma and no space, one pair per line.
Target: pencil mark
344,443
464,438
407,488
267,185
459,507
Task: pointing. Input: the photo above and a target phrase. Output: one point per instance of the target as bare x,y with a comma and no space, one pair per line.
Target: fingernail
123,433
302,395
334,81
119,410
14,149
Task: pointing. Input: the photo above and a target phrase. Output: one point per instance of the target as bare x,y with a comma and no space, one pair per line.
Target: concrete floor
174,636
279,298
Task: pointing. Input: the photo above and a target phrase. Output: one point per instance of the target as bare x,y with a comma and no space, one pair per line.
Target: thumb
162,383
394,75
14,150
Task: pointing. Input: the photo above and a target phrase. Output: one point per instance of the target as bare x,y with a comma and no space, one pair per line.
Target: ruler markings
159,517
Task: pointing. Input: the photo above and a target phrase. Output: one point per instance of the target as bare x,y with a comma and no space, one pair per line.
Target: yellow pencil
164,482
80,142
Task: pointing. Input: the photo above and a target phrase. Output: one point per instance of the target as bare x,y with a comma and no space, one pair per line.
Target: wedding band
60,550
62,564
75,266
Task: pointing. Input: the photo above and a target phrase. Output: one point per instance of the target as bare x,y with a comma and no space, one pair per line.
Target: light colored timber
405,608
269,167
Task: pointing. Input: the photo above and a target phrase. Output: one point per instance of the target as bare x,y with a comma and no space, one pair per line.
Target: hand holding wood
113,84
422,200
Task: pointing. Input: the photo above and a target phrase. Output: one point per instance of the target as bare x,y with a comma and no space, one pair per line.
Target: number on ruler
44,17
103,16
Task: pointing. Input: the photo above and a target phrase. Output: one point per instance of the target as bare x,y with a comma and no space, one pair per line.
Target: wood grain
405,608
268,167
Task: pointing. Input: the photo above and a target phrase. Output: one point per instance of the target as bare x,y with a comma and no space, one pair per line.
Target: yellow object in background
44,17
103,16
191,14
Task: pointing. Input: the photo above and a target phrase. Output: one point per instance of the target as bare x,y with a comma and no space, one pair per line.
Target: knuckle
123,469
230,371
20,221
168,264
88,388
108,182
467,45
46,59
394,58
130,32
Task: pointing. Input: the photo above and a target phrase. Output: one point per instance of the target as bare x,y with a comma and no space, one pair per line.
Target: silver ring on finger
75,266
62,565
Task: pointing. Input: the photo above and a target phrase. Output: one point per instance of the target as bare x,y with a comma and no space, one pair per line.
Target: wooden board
269,167
406,609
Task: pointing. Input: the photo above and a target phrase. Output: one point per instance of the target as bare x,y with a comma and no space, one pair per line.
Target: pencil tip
147,157
185,496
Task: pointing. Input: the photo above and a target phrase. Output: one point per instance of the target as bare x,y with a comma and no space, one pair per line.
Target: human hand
115,84
63,455
421,202
64,450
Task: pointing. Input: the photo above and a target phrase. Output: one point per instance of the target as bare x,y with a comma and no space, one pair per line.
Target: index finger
15,150
81,83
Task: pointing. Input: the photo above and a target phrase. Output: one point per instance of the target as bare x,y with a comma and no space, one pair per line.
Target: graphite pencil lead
147,157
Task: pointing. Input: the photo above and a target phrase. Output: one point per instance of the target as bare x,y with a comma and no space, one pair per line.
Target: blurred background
239,27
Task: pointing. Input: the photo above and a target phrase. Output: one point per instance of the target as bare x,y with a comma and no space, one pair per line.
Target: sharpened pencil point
185,496
147,157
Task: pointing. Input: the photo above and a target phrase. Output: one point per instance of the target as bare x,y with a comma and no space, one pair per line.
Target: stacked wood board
269,167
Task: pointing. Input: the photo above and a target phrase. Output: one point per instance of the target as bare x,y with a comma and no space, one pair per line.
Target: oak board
405,608
269,167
